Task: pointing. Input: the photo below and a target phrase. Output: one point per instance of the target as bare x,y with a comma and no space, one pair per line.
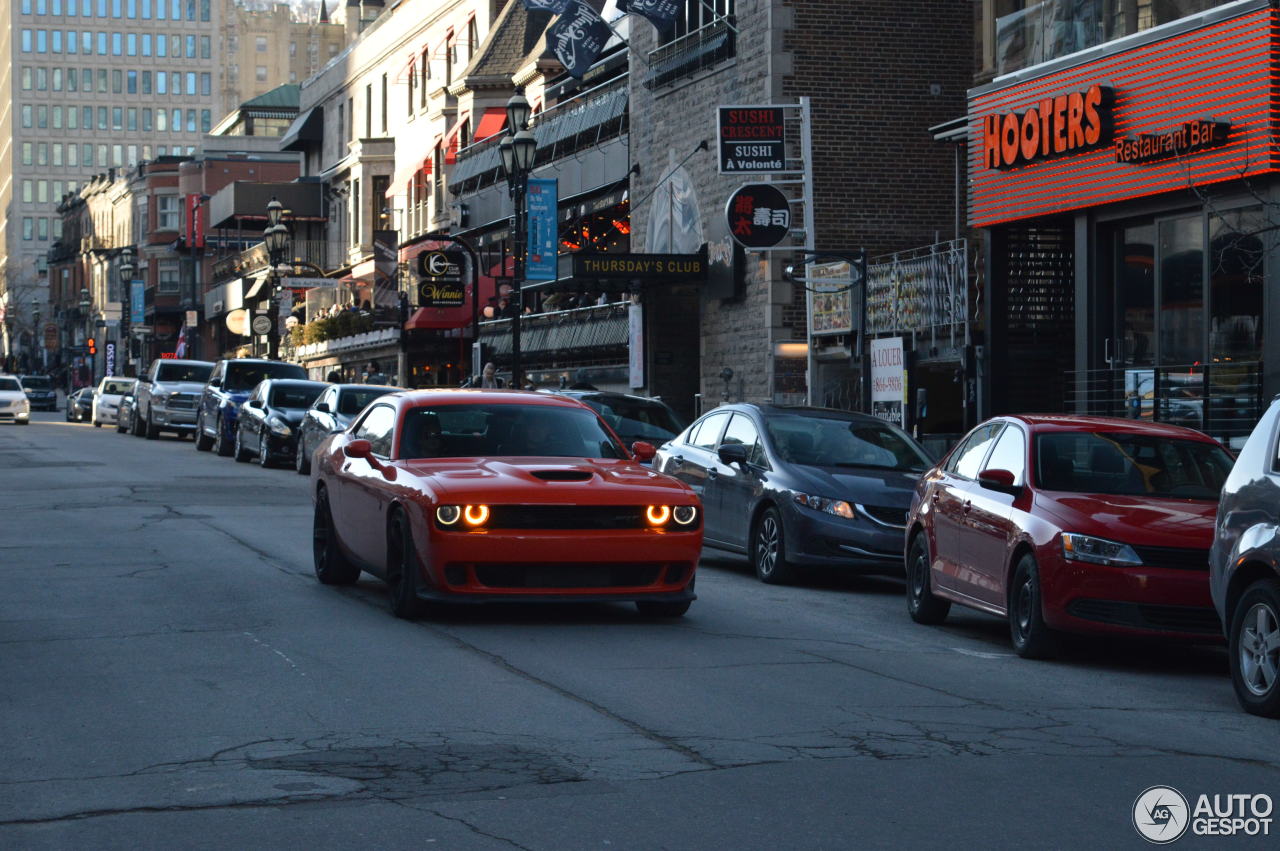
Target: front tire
402,571
662,608
220,443
301,462
152,430
331,566
121,425
203,442
239,452
922,605
1255,649
264,451
1032,638
768,550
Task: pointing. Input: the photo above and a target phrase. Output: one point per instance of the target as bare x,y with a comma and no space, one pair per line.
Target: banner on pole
544,237
577,38
137,302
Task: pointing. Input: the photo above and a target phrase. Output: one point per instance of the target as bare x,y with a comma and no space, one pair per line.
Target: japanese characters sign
752,139
759,215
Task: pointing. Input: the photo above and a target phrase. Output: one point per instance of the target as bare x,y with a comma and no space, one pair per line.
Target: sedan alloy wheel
768,550
1255,649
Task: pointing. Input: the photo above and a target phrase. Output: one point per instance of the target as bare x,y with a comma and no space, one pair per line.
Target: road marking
256,640
982,654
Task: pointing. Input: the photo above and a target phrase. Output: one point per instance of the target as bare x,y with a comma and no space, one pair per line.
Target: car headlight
658,515
1077,547
685,514
279,426
827,505
160,397
474,516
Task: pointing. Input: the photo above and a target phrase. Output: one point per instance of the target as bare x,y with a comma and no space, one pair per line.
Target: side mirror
256,403
358,449
643,450
215,382
322,407
733,453
998,480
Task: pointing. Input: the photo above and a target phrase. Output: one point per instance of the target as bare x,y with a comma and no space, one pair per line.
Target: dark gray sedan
332,412
1243,573
793,486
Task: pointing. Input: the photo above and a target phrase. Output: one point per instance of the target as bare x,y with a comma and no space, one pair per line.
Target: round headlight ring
475,515
447,515
685,514
658,515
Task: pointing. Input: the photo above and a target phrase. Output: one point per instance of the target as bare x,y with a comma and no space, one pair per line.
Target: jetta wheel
402,570
768,550
1032,639
1255,649
331,566
922,605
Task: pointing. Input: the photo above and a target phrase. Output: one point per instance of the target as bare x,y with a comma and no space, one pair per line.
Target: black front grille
885,514
1143,616
567,575
1175,558
567,517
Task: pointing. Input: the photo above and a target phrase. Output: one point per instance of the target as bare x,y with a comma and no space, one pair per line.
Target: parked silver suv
166,397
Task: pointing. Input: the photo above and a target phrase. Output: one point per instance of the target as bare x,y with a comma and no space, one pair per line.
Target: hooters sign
1058,125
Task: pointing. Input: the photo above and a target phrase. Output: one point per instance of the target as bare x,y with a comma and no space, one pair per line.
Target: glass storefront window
1181,290
1136,295
1236,284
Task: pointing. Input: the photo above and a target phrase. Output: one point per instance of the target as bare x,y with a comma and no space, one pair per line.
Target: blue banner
137,303
544,235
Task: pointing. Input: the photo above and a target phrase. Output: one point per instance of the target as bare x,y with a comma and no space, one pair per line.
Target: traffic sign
261,324
140,330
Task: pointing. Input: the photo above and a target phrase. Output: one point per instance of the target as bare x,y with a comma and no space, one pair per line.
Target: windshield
1130,464
833,441
352,402
294,395
636,419
37,382
462,431
116,387
9,384
245,376
184,372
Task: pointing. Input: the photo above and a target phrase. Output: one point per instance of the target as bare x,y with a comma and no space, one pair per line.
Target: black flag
659,12
577,37
555,7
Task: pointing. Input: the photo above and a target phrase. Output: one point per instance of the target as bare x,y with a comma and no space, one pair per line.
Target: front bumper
1152,601
815,539
174,420
559,566
279,446
13,416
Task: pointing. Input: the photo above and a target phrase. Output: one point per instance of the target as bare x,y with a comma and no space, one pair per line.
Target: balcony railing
704,47
317,253
599,328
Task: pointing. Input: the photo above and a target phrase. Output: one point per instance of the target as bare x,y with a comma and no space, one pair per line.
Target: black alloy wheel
1032,638
922,605
402,570
768,550
264,451
1255,649
203,442
331,566
221,445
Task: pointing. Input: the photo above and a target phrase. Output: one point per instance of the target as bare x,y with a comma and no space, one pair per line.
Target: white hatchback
14,406
106,398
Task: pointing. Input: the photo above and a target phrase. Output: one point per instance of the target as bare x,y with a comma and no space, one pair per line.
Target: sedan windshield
294,396
245,376
1130,464
117,387
834,441
9,384
636,419
463,431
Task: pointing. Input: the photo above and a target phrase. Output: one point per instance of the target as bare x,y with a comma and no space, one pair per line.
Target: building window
57,161
206,120
57,79
132,119
368,111
131,83
162,120
473,38
42,117
260,73
42,154
57,118
293,48
166,212
102,118
28,192
191,82
191,47
384,104
117,44
42,229
699,38
204,47
168,280
73,155
26,115
26,78
26,153
26,41
191,121
28,227
42,192
206,83
175,121
260,44
162,82
146,120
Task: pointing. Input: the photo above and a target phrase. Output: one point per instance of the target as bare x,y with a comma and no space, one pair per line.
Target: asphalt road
172,676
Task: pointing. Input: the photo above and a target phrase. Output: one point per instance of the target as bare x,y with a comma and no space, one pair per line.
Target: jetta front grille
1145,616
1175,558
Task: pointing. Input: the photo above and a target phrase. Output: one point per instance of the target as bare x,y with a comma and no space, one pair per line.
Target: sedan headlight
1077,547
279,426
473,516
827,505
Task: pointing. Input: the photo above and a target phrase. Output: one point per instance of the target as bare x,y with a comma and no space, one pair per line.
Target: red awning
491,123
438,318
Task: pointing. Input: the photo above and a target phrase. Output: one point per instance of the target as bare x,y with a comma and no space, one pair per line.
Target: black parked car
228,386
333,411
40,392
79,405
797,486
267,424
632,417
1243,576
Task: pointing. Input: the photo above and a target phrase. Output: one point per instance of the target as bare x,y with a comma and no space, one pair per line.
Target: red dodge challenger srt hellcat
496,496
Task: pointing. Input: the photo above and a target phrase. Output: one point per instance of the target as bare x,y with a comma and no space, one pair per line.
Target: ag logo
1161,815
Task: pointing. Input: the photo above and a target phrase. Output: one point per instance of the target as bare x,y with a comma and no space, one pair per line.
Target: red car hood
1142,520
532,481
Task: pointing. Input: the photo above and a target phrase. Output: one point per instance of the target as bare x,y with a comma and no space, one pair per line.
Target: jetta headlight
838,507
279,426
1077,547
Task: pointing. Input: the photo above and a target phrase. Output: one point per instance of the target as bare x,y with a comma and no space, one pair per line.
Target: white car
106,399
14,406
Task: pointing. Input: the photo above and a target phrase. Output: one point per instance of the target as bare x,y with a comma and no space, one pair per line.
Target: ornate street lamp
127,266
517,150
276,240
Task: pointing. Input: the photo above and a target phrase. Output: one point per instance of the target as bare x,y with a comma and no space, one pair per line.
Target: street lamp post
85,304
128,265
276,239
517,150
37,339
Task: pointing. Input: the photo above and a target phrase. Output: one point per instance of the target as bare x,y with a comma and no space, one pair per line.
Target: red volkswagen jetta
1074,524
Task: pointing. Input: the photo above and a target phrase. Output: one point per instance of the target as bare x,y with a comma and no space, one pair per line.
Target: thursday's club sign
577,38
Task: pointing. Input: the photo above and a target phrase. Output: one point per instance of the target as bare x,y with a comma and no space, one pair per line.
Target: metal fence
924,291
1223,400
